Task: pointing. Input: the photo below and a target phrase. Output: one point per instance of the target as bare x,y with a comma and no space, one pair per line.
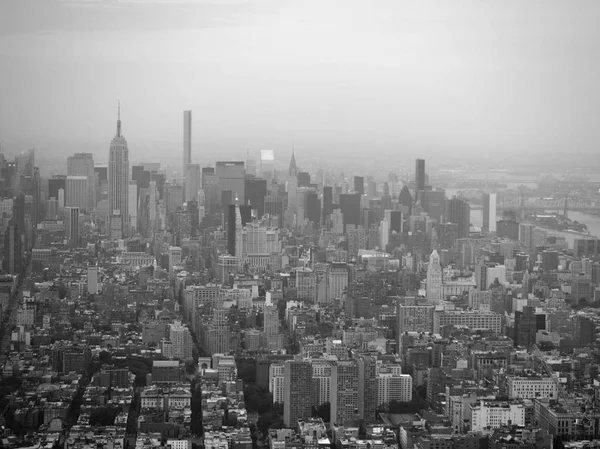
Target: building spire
119,119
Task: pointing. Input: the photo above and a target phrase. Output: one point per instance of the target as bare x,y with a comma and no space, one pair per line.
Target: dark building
487,204
274,207
396,221
448,233
359,185
312,207
231,229
405,199
508,229
12,249
56,183
262,372
245,214
458,211
160,180
140,176
256,190
549,260
350,206
102,172
327,201
587,331
226,200
527,323
303,179
420,175
521,262
586,247
433,202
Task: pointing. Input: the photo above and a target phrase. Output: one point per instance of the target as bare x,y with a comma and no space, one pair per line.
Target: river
591,221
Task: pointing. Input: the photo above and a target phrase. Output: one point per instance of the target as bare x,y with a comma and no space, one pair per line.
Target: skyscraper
72,225
193,182
459,212
359,185
77,193
271,320
434,279
187,138
82,164
118,176
344,391
232,176
12,249
133,206
420,175
489,212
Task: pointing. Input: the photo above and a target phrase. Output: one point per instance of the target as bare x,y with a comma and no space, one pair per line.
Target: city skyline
425,80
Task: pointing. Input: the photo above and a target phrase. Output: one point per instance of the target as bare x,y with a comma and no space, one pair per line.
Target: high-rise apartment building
271,320
344,392
181,340
187,138
297,392
367,388
393,387
77,193
118,180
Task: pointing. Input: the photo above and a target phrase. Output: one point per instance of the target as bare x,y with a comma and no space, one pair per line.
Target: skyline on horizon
417,79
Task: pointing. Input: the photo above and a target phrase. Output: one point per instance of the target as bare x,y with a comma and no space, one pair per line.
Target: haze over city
446,80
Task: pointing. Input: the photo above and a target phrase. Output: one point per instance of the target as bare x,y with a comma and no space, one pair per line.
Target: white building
474,320
337,281
391,387
497,272
493,414
531,387
92,280
276,382
434,279
77,193
182,341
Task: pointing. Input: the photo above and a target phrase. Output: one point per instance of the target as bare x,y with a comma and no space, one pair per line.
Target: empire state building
118,183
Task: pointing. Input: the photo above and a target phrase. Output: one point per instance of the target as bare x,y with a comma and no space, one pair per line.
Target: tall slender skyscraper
489,212
187,138
420,175
118,176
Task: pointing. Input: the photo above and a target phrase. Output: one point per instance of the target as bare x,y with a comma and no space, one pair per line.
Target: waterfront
592,222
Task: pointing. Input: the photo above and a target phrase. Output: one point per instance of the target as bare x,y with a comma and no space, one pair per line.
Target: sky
382,79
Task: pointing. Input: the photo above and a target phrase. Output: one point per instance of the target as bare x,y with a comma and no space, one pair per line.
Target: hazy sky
395,77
